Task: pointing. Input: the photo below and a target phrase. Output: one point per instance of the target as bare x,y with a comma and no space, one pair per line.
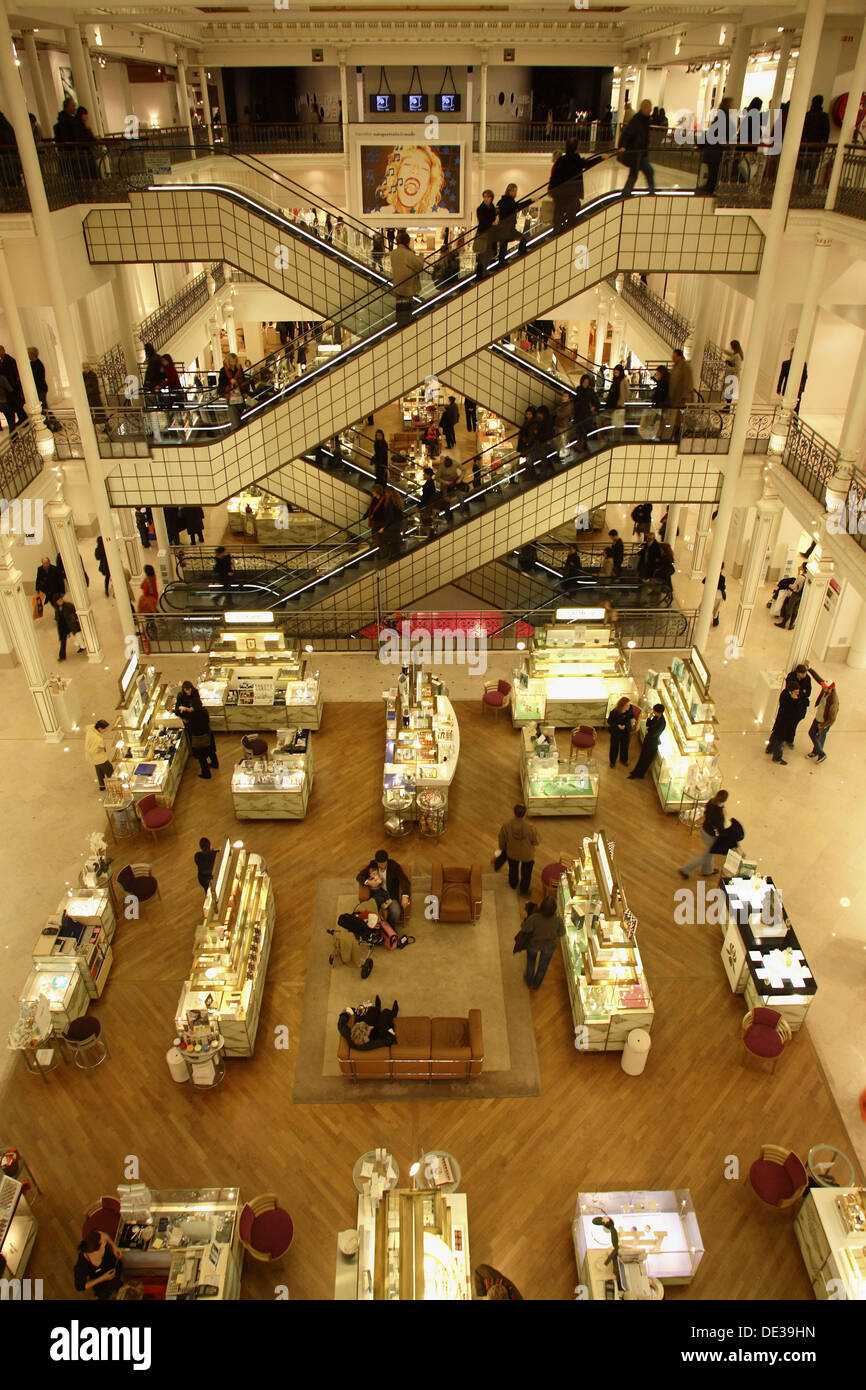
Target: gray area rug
450,969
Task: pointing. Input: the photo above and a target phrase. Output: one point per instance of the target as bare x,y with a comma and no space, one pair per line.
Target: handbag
521,941
38,607
404,941
199,741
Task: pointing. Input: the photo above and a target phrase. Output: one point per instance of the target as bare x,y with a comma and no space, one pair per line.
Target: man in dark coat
784,728
15,392
396,883
37,367
655,727
566,183
634,145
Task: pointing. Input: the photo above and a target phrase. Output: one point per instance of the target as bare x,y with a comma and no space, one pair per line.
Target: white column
231,331
672,526
806,325
855,90
78,63
705,516
183,90
620,105
63,526
53,278
221,100
45,113
764,309
818,575
97,119
163,549
766,512
344,110
781,70
132,348
205,101
601,321
857,651
739,61
662,85
641,85
18,621
19,342
694,345
216,346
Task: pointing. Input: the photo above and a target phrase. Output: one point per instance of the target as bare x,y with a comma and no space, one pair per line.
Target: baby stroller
354,938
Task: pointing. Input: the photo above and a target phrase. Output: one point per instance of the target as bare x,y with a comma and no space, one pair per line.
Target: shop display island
606,982
422,747
413,1245
151,749
657,1242
78,937
831,1232
192,1235
551,785
762,957
686,768
276,788
253,681
231,952
18,1229
572,675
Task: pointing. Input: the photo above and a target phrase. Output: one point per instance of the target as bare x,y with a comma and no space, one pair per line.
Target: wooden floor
523,1161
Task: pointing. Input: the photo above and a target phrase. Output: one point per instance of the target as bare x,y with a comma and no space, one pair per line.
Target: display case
572,674
686,769
657,1230
831,1232
231,950
276,788
422,747
414,1245
551,785
254,681
151,749
63,986
762,957
79,934
18,1227
191,1235
607,986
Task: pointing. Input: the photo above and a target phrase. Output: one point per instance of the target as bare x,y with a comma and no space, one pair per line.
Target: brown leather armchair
437,1049
457,890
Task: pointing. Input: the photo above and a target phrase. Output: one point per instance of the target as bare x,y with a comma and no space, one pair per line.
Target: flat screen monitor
448,102
383,103
416,103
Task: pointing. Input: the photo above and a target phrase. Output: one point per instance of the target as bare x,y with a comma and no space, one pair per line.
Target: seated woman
98,1268
369,1026
378,891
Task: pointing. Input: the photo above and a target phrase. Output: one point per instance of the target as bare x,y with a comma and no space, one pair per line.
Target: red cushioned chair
765,1033
102,1215
152,816
265,1230
138,882
582,742
778,1177
497,696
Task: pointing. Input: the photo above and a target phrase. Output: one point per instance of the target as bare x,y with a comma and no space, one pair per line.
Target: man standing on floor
96,751
618,552
799,677
785,724
9,370
448,420
470,408
826,710
655,727
544,928
517,842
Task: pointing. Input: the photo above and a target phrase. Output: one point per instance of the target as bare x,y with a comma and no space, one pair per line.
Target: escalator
453,322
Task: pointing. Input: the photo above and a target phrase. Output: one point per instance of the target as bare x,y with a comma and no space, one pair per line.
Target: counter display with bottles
231,951
551,785
254,681
572,675
422,745
278,787
831,1232
762,957
192,1235
78,937
686,769
150,747
658,1241
414,1245
267,520
606,981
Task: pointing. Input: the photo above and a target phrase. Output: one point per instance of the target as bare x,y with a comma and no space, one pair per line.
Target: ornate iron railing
20,461
714,369
851,194
160,326
670,325
111,369
747,177
855,508
809,457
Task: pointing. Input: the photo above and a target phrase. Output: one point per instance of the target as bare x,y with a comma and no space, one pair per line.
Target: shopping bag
649,423
37,606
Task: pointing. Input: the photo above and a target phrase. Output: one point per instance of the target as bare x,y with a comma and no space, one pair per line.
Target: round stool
550,876
84,1038
255,746
582,741
636,1051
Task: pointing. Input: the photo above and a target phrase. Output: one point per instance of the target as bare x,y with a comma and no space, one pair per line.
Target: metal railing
111,369
855,509
160,326
747,177
670,325
809,457
20,461
851,194
714,368
289,137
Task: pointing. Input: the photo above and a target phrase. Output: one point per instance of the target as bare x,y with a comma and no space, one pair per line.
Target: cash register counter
193,1237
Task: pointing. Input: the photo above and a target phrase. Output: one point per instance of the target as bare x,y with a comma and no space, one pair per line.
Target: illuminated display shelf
231,950
550,786
685,771
762,957
90,954
192,1236
831,1232
275,788
150,751
414,1246
606,982
660,1229
253,681
571,675
422,744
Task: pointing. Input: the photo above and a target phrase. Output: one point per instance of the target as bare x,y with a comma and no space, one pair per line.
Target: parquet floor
524,1161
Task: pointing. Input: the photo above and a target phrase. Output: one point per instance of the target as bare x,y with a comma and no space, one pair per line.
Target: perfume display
254,681
422,746
150,752
552,785
686,769
572,675
278,787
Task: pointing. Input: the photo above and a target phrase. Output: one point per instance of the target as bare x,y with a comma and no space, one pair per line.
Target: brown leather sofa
457,890
427,1049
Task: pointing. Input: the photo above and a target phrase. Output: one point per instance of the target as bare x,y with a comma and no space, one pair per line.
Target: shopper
448,422
585,406
37,367
48,582
201,740
492,1286
470,410
791,604
193,524
15,391
68,625
713,151
406,267
621,722
223,568
506,225
396,884
187,702
618,550
149,600
380,458
730,838
572,568
98,1269
605,569
665,566
734,363
543,927
799,677
648,556
826,712
101,559
485,216
204,862
368,1026
633,147
431,503
720,595
96,751
655,727
152,374
617,399
517,842
378,250
711,827
785,723
642,516
528,431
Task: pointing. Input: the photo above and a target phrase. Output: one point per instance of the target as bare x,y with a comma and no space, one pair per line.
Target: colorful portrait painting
408,180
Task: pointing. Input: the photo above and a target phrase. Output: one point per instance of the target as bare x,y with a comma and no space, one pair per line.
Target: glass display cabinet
254,681
657,1242
762,957
422,747
551,785
607,986
231,950
414,1245
192,1235
80,934
272,788
260,516
831,1232
63,986
151,752
572,674
686,769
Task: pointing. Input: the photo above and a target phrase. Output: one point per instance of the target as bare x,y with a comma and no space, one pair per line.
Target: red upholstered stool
497,696
765,1033
778,1177
582,742
550,876
255,746
83,1037
265,1230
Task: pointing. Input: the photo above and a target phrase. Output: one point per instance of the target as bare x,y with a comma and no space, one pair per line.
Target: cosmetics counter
655,1241
231,951
551,785
762,957
261,517
686,769
413,1246
278,787
831,1232
422,746
254,681
572,675
191,1235
606,982
151,748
